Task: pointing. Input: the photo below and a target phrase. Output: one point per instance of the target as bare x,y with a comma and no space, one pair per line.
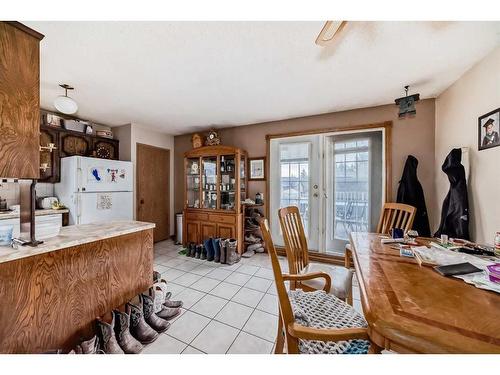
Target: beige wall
131,134
410,136
457,110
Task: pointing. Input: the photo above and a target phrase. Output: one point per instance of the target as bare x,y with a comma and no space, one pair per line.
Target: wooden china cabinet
215,185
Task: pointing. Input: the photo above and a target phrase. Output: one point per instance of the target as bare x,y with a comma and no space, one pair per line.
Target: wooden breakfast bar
413,309
51,294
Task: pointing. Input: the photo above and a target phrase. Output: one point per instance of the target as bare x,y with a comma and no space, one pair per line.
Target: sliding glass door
335,179
354,185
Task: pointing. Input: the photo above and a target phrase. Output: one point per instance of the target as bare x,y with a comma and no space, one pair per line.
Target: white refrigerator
96,190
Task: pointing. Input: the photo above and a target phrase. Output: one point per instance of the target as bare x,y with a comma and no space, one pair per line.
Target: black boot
216,246
188,249
198,251
203,253
192,250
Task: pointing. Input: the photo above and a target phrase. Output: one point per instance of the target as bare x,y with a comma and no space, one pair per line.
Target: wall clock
212,138
104,151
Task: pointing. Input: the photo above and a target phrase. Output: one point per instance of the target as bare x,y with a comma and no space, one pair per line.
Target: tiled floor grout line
170,255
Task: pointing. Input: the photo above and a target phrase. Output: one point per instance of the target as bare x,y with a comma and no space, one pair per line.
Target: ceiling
181,77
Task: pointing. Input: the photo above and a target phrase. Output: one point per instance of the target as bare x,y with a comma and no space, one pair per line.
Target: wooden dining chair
396,215
297,253
393,215
314,322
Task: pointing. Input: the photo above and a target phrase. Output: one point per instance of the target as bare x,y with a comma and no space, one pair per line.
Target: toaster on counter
46,202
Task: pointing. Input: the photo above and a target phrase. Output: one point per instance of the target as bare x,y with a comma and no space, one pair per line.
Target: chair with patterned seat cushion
313,322
321,310
297,253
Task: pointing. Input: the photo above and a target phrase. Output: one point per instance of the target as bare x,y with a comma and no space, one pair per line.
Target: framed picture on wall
489,130
256,168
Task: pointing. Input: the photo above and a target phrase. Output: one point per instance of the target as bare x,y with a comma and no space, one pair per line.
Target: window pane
284,170
294,171
362,143
351,191
294,165
304,172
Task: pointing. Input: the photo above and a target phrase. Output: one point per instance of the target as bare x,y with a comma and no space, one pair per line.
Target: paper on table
446,257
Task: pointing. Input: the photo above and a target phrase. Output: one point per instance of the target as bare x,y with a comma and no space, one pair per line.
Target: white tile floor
227,309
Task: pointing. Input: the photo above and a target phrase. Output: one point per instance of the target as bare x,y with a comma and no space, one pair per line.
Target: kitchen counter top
40,212
74,235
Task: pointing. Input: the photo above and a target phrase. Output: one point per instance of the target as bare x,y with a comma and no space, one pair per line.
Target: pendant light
64,103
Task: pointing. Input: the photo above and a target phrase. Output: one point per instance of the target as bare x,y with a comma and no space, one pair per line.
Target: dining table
411,308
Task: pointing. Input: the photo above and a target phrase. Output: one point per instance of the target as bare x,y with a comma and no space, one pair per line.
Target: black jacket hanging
455,211
410,192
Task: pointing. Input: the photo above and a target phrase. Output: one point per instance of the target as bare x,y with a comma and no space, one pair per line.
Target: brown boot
88,347
109,343
138,326
154,321
168,313
126,341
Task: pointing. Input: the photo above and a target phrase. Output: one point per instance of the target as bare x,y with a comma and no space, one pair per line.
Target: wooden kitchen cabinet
215,186
19,101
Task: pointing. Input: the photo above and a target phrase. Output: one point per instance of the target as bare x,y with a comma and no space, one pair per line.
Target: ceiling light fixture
328,32
64,103
407,104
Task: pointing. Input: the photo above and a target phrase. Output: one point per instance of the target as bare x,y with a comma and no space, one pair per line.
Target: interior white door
296,181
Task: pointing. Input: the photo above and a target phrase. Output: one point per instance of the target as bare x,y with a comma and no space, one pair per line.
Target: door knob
141,201
315,195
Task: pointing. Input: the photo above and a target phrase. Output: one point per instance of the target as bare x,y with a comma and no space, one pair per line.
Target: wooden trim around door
386,125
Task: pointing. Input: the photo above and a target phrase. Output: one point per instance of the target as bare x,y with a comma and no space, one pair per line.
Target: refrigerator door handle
79,173
79,207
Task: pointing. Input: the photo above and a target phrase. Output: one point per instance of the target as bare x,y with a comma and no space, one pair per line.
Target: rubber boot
232,255
223,251
203,252
210,249
122,331
216,246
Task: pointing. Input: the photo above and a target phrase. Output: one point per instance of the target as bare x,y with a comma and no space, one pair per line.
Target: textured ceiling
183,76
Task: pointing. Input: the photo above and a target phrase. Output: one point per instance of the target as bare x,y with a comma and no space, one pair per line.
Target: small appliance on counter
46,203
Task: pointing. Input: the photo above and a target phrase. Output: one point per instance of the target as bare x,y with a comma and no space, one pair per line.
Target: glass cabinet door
193,183
243,177
227,182
209,182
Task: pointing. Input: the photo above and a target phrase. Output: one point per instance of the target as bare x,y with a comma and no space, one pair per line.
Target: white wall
131,134
457,110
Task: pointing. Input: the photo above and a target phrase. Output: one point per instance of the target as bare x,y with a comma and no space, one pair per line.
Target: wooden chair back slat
295,238
396,215
285,308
